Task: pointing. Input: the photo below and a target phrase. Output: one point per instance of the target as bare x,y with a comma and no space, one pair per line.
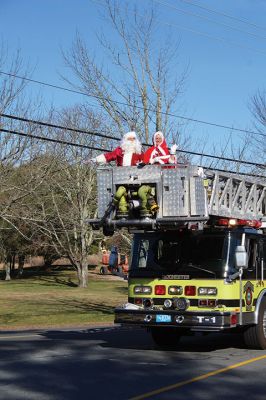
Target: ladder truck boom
182,195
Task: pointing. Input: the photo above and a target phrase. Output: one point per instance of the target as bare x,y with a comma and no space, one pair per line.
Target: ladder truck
198,262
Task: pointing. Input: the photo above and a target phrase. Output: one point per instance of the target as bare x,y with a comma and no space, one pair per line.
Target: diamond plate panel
104,182
197,197
175,193
129,175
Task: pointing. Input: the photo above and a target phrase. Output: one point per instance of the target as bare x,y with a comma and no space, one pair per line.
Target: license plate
163,318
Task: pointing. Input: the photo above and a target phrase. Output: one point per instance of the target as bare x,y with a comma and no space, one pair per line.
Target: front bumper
195,321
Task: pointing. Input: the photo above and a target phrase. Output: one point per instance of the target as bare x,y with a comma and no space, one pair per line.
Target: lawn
52,299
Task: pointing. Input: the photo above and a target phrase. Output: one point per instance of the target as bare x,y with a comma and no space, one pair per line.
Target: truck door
253,272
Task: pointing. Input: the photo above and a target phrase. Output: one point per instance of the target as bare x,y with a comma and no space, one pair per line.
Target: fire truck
199,258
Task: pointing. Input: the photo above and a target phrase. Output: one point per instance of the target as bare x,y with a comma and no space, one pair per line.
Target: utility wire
41,123
102,149
219,39
138,107
208,19
232,172
244,21
51,140
106,136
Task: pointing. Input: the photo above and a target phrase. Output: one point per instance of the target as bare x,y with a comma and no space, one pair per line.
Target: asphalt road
118,363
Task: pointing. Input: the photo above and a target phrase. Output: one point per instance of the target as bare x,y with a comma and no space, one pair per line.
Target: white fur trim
130,134
101,159
161,150
163,159
161,136
127,158
154,154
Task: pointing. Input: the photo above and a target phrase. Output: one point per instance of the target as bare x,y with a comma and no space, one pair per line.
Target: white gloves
201,172
154,160
173,149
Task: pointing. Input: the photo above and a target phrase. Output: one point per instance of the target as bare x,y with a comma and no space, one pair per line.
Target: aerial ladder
184,194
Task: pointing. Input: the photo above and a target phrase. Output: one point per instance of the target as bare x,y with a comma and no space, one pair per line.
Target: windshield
197,254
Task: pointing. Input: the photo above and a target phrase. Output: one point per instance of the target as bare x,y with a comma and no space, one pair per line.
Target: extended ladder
183,196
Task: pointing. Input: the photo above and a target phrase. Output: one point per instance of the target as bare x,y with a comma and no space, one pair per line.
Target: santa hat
131,134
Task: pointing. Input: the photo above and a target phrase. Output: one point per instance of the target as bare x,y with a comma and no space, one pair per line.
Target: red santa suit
122,158
157,153
124,155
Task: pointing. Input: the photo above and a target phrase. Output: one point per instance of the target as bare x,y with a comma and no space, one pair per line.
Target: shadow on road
140,339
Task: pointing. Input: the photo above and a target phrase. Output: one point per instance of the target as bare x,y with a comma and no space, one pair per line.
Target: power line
51,140
219,39
138,107
244,21
208,19
106,136
233,172
102,149
41,123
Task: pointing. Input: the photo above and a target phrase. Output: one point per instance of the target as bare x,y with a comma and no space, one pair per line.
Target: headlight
168,303
181,304
175,290
148,303
206,291
142,290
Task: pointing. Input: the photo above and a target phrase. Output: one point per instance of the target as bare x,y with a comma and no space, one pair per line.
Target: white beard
128,147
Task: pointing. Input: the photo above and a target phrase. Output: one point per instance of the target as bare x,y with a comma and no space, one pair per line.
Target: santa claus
127,154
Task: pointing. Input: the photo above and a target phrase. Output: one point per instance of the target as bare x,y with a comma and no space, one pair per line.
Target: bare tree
143,87
258,110
57,210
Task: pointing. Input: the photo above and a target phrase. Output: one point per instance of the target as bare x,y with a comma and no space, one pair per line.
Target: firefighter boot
120,202
152,205
143,194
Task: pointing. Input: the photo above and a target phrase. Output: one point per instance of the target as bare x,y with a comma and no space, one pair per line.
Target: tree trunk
8,270
83,274
21,261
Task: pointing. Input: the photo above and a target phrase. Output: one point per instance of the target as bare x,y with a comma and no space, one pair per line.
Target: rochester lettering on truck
181,277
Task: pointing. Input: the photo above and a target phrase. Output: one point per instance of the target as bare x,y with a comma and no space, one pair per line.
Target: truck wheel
166,338
255,336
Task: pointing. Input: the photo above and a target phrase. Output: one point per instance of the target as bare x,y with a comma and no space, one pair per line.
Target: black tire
165,338
103,270
255,336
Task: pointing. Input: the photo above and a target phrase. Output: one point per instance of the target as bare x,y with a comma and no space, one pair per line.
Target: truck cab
184,281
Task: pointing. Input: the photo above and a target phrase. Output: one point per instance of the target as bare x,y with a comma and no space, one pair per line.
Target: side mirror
241,257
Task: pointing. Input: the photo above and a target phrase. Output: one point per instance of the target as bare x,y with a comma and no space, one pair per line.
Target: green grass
52,299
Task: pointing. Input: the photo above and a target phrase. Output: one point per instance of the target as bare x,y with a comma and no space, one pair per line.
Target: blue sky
222,78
